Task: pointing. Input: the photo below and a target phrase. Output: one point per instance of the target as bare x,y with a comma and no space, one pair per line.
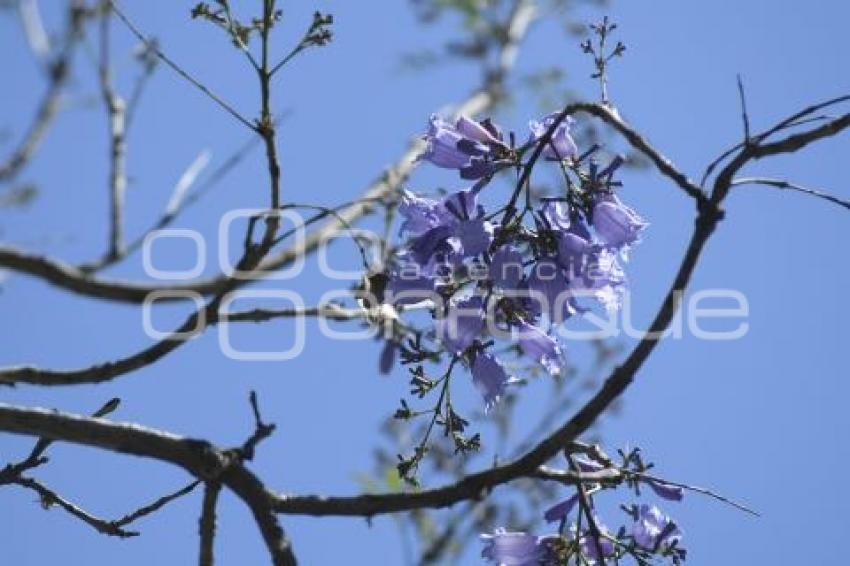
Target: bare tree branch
76,280
797,119
206,524
115,110
200,458
49,105
49,497
12,474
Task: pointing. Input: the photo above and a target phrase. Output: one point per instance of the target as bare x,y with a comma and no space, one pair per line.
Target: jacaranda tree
473,293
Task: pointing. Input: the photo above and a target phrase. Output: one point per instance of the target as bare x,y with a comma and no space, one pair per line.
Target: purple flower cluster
652,533
503,276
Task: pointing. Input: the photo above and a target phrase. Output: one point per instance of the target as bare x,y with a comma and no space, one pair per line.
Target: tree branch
194,325
198,457
49,105
797,119
112,528
206,524
638,142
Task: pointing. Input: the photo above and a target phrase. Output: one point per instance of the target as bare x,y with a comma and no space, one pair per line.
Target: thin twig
783,184
266,127
745,117
586,506
148,67
155,505
150,44
50,497
262,430
701,491
236,38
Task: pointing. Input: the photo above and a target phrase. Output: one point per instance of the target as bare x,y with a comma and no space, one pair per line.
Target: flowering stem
585,506
510,209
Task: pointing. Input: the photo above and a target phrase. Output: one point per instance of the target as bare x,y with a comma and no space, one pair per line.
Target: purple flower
588,266
653,530
512,548
472,147
471,233
590,269
489,378
559,512
666,490
420,214
617,225
539,346
548,285
453,228
447,147
575,244
485,132
474,236
601,278
561,145
409,285
506,268
462,324
437,239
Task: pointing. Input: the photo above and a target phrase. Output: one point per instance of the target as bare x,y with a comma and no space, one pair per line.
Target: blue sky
758,419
